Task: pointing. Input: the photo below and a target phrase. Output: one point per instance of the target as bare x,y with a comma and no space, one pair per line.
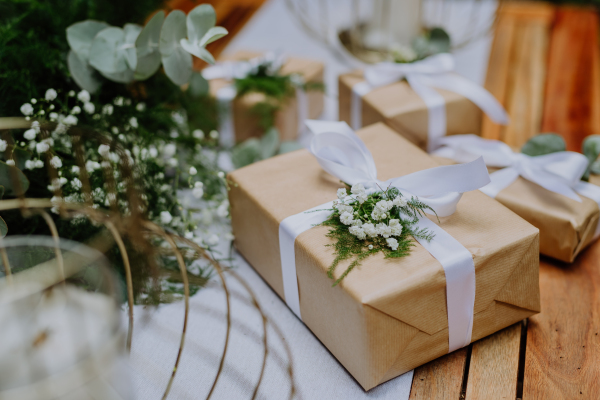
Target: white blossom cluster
378,223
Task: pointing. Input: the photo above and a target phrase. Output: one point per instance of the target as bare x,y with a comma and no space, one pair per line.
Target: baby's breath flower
56,162
214,134
38,164
193,171
165,217
400,201
221,174
3,144
342,193
370,247
75,169
358,232
76,183
71,93
27,109
91,166
169,150
76,110
35,125
118,101
114,130
107,109
140,107
10,162
370,230
33,101
198,190
198,134
84,96
212,240
393,243
103,150
173,162
70,120
133,122
346,218
53,116
50,94
42,147
223,209
89,108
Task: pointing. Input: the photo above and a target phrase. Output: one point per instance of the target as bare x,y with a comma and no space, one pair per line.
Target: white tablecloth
317,374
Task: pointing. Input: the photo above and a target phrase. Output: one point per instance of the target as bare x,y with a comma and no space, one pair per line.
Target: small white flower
140,107
369,229
70,120
193,171
107,109
76,183
357,222
89,108
76,110
127,102
169,150
50,94
357,189
71,93
361,197
358,232
188,235
84,96
400,201
198,190
173,162
103,150
212,240
3,144
223,209
118,101
370,247
174,134
114,130
30,134
56,162
27,109
105,164
342,194
91,166
133,122
10,162
153,152
35,125
346,218
42,147
165,217
75,169
198,134
221,174
396,227
393,243
38,164
342,208
384,230
33,101
214,134
114,157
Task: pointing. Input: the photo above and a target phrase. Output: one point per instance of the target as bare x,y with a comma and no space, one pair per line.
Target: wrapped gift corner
388,316
246,124
404,111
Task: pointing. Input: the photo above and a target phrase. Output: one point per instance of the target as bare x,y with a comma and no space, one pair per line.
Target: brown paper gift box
405,111
566,226
387,316
246,125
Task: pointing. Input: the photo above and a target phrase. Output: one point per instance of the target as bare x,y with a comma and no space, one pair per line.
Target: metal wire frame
137,229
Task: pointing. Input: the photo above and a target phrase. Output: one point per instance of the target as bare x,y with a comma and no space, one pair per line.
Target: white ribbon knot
558,172
423,76
230,70
343,154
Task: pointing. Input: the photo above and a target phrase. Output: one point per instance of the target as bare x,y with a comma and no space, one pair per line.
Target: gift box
246,124
387,316
403,110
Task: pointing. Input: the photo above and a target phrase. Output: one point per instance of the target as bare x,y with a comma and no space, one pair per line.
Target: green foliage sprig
433,41
547,143
364,224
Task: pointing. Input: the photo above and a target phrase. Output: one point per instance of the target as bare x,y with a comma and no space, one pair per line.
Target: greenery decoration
547,143
132,52
433,41
364,224
253,149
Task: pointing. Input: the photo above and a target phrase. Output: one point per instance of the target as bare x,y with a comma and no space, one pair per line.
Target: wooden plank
563,341
440,379
573,87
495,365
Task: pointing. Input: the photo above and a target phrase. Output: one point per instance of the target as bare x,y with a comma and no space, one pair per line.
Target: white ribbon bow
343,154
230,70
423,76
558,172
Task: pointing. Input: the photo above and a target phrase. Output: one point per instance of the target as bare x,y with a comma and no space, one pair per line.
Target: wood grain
440,379
563,342
573,87
495,365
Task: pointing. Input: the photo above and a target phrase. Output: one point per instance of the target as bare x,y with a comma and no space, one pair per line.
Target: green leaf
199,21
1,192
82,73
107,54
198,51
176,61
214,33
439,41
595,168
545,143
289,146
246,153
590,149
6,179
121,77
3,228
131,31
198,85
146,46
269,143
20,156
81,34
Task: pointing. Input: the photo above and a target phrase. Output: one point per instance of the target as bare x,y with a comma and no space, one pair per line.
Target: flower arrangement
363,224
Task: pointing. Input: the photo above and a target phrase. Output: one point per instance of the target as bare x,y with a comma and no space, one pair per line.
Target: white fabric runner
558,172
342,153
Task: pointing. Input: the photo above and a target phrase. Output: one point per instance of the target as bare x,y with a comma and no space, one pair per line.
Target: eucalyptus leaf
246,153
82,73
121,77
269,143
21,156
595,168
545,143
6,179
146,45
439,41
214,33
198,85
289,146
591,149
131,31
199,21
81,34
107,54
176,61
3,228
198,51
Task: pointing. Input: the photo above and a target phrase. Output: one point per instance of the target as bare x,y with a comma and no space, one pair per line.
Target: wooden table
544,68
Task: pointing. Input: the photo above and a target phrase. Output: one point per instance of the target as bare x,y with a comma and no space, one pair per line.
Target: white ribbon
423,76
343,154
558,172
230,70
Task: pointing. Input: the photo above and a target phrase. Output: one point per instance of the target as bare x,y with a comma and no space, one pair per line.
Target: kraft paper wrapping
566,226
246,125
387,316
404,111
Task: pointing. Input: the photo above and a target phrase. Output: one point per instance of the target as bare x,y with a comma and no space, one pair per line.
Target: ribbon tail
436,109
499,181
358,91
302,104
